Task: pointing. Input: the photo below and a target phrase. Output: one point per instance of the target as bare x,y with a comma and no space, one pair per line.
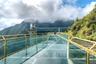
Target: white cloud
7,22
52,10
13,11
88,8
8,17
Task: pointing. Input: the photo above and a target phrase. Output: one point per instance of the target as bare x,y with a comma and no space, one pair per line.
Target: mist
51,10
17,11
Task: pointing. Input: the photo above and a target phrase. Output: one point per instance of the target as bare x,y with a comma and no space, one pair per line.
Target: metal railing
84,49
18,48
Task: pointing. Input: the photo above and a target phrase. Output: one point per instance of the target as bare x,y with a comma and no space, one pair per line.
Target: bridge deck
56,53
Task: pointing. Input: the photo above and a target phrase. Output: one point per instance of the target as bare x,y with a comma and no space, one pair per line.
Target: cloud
6,9
52,10
7,22
8,17
41,10
88,8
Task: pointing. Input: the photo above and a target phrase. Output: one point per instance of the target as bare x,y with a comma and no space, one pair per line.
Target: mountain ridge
24,27
86,27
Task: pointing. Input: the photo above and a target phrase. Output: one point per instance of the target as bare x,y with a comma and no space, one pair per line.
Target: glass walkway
40,49
56,53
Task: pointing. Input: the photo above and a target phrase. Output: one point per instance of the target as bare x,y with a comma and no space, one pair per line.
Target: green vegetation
86,27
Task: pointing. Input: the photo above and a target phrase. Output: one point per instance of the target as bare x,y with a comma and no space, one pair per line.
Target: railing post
43,44
47,39
26,43
36,42
68,49
87,58
5,49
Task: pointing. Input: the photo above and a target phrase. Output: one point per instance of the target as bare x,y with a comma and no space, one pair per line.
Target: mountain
57,23
17,29
24,27
86,27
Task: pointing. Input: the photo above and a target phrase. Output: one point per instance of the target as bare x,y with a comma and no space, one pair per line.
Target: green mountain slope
17,29
86,27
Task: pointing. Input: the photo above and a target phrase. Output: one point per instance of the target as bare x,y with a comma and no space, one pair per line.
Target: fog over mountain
15,11
24,27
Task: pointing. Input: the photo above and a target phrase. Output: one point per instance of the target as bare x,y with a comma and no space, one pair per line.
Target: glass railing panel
15,48
15,45
1,49
42,41
31,51
77,55
2,61
17,58
21,49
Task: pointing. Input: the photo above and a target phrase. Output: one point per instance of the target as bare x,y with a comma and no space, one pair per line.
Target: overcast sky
15,11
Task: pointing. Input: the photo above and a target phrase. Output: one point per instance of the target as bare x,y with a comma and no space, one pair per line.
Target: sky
15,11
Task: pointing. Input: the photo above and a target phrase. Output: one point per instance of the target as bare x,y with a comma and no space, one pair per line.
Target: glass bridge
41,49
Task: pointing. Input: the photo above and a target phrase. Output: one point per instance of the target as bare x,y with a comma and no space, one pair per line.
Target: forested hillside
86,27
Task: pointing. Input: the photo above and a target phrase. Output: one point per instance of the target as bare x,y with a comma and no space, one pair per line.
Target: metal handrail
5,38
88,50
